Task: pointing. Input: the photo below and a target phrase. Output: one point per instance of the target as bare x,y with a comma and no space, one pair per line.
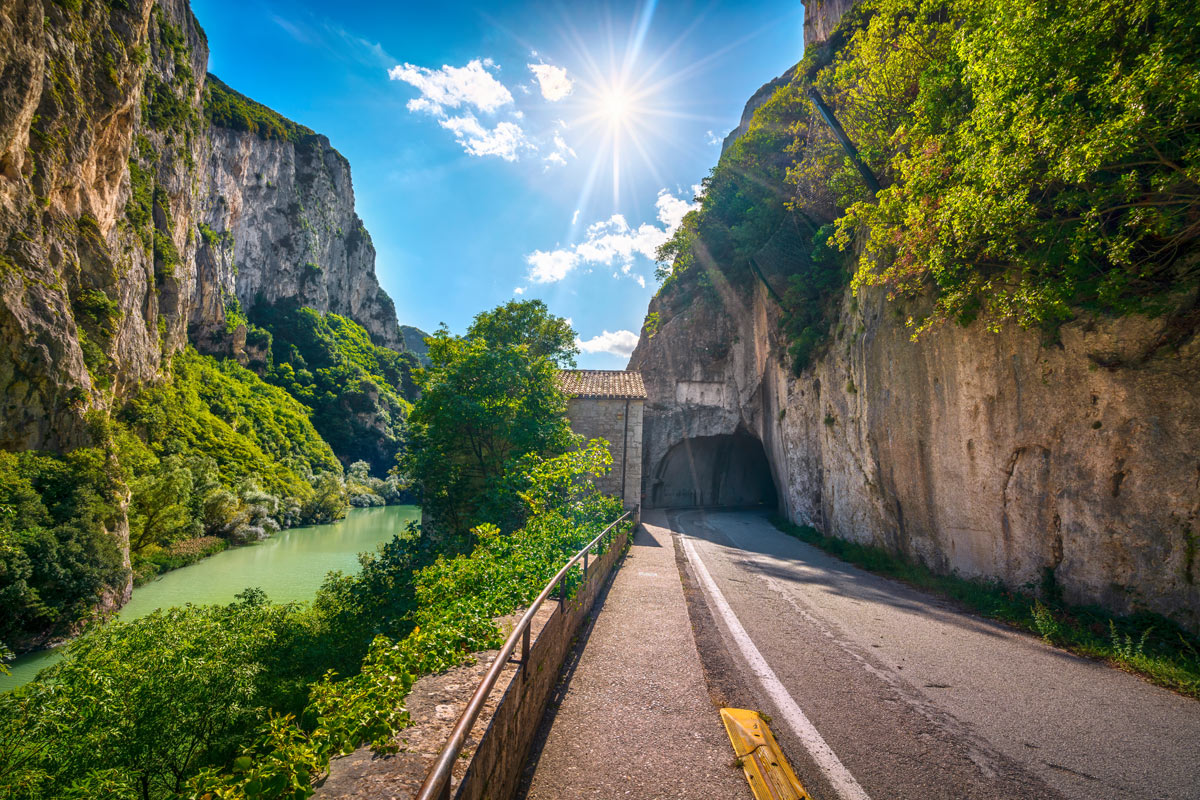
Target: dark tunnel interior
727,470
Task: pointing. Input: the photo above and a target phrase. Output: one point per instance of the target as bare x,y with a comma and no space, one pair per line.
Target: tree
160,507
530,323
488,400
136,708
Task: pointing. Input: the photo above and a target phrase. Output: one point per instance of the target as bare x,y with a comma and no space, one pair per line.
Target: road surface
876,690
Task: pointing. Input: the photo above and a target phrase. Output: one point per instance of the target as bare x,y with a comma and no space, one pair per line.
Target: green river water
289,566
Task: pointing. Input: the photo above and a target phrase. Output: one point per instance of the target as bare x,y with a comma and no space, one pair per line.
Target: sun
625,109
615,105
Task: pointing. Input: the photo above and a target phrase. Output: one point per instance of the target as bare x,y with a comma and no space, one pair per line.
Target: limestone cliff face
821,18
289,207
127,221
987,454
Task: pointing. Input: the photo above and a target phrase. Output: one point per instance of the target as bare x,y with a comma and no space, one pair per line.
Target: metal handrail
437,781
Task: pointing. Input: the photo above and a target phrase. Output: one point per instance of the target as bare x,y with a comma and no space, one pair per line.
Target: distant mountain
414,342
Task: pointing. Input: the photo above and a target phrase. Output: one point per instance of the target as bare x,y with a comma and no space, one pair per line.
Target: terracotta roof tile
601,383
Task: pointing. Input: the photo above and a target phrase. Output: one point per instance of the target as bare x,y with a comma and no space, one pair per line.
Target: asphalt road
876,690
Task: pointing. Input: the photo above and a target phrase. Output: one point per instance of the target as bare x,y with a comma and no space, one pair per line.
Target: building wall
605,418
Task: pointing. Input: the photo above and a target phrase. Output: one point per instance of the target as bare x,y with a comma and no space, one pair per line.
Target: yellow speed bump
769,774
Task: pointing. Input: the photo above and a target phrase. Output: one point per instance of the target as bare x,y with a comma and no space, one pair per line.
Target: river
289,566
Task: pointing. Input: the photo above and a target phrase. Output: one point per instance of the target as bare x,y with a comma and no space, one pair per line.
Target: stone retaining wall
495,768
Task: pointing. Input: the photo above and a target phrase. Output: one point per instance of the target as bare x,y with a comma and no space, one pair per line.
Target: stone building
607,404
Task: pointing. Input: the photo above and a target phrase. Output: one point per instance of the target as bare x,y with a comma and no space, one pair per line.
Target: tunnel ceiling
728,470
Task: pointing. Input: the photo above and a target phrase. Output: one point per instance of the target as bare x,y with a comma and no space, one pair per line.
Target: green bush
357,392
251,699
488,400
58,548
224,412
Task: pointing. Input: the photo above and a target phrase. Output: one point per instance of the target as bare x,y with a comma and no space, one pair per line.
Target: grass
1144,644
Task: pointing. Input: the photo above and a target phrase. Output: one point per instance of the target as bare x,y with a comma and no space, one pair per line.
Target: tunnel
728,470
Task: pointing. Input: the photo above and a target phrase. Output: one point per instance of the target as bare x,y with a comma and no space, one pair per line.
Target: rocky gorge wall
289,209
1071,466
986,454
128,221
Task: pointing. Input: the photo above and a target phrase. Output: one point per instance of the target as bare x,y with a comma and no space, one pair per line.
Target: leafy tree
486,403
1044,155
1037,159
530,323
328,501
139,707
58,551
160,508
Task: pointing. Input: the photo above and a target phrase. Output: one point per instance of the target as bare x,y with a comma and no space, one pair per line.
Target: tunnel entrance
726,470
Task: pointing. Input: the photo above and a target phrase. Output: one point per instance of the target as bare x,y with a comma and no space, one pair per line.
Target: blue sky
483,137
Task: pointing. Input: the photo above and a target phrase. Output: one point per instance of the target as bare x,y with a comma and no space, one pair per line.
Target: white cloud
561,151
505,140
713,138
519,290
553,81
550,267
612,242
575,217
452,87
619,343
671,209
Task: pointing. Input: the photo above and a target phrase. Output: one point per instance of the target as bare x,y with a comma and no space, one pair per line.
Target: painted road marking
827,761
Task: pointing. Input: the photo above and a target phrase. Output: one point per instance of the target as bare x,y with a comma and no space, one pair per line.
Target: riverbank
289,566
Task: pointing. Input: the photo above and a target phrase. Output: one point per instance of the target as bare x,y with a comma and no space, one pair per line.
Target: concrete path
912,696
634,718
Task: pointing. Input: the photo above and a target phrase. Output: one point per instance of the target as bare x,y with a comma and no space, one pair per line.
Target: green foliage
218,453
357,393
1041,157
485,405
810,297
143,705
528,323
94,307
651,323
226,108
1144,643
139,210
1037,159
250,700
166,256
57,550
214,239
165,109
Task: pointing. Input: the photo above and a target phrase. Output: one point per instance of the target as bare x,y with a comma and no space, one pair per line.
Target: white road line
835,771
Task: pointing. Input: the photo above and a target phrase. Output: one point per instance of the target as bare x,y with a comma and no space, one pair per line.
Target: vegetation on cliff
227,108
211,452
358,394
58,554
252,699
1036,160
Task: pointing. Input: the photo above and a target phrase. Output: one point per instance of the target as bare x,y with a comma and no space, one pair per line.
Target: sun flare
615,105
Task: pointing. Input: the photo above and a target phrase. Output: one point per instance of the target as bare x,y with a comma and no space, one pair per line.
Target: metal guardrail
437,781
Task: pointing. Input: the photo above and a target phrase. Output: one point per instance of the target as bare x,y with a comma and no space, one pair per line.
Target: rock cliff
288,207
129,219
982,453
992,454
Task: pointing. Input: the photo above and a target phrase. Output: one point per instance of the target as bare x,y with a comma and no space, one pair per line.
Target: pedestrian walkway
635,719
